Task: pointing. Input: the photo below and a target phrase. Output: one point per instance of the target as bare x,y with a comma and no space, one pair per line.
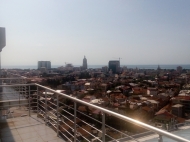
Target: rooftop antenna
118,58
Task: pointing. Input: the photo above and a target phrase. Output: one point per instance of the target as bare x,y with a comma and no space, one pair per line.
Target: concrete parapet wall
11,103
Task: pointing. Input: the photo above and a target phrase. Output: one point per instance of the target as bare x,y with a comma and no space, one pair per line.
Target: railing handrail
21,77
125,118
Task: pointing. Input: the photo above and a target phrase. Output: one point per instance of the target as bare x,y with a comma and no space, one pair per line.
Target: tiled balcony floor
26,129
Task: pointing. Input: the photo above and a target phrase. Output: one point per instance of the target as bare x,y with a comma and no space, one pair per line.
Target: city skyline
139,32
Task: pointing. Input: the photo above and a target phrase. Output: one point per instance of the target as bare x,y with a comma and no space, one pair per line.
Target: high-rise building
114,66
2,38
158,68
179,69
104,69
46,64
84,65
2,45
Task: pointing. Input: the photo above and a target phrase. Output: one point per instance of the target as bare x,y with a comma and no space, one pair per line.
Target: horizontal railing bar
68,112
64,104
66,136
85,138
41,106
19,77
41,102
51,108
15,85
53,114
67,118
33,103
87,132
41,110
66,130
68,125
13,105
52,103
33,107
89,125
52,124
121,132
12,92
89,116
49,117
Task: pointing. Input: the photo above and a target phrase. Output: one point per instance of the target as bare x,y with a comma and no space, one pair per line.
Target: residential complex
44,64
114,66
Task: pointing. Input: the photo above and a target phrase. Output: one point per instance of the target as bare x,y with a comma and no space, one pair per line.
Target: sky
141,32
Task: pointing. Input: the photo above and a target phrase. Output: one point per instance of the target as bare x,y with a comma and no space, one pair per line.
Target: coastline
184,66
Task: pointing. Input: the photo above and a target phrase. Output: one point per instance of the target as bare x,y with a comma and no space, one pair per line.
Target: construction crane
118,58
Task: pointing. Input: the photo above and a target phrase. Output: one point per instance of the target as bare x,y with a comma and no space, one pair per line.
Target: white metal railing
65,119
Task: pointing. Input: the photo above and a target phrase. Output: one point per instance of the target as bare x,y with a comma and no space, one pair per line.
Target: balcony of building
32,112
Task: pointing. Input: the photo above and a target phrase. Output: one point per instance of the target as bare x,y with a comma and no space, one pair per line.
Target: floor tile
49,137
46,132
29,135
35,139
25,130
56,140
19,124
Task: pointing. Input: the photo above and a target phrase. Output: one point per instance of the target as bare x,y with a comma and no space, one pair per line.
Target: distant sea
100,66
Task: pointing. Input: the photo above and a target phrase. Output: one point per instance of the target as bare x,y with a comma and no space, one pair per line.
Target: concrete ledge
10,103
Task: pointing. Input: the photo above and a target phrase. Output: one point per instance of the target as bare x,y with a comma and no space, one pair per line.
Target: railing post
75,115
19,99
46,107
160,138
37,101
19,93
22,82
103,127
25,88
29,98
57,114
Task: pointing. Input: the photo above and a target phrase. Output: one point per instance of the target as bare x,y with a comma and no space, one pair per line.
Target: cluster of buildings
45,67
159,97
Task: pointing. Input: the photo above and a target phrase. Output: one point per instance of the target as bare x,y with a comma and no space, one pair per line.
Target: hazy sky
139,32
